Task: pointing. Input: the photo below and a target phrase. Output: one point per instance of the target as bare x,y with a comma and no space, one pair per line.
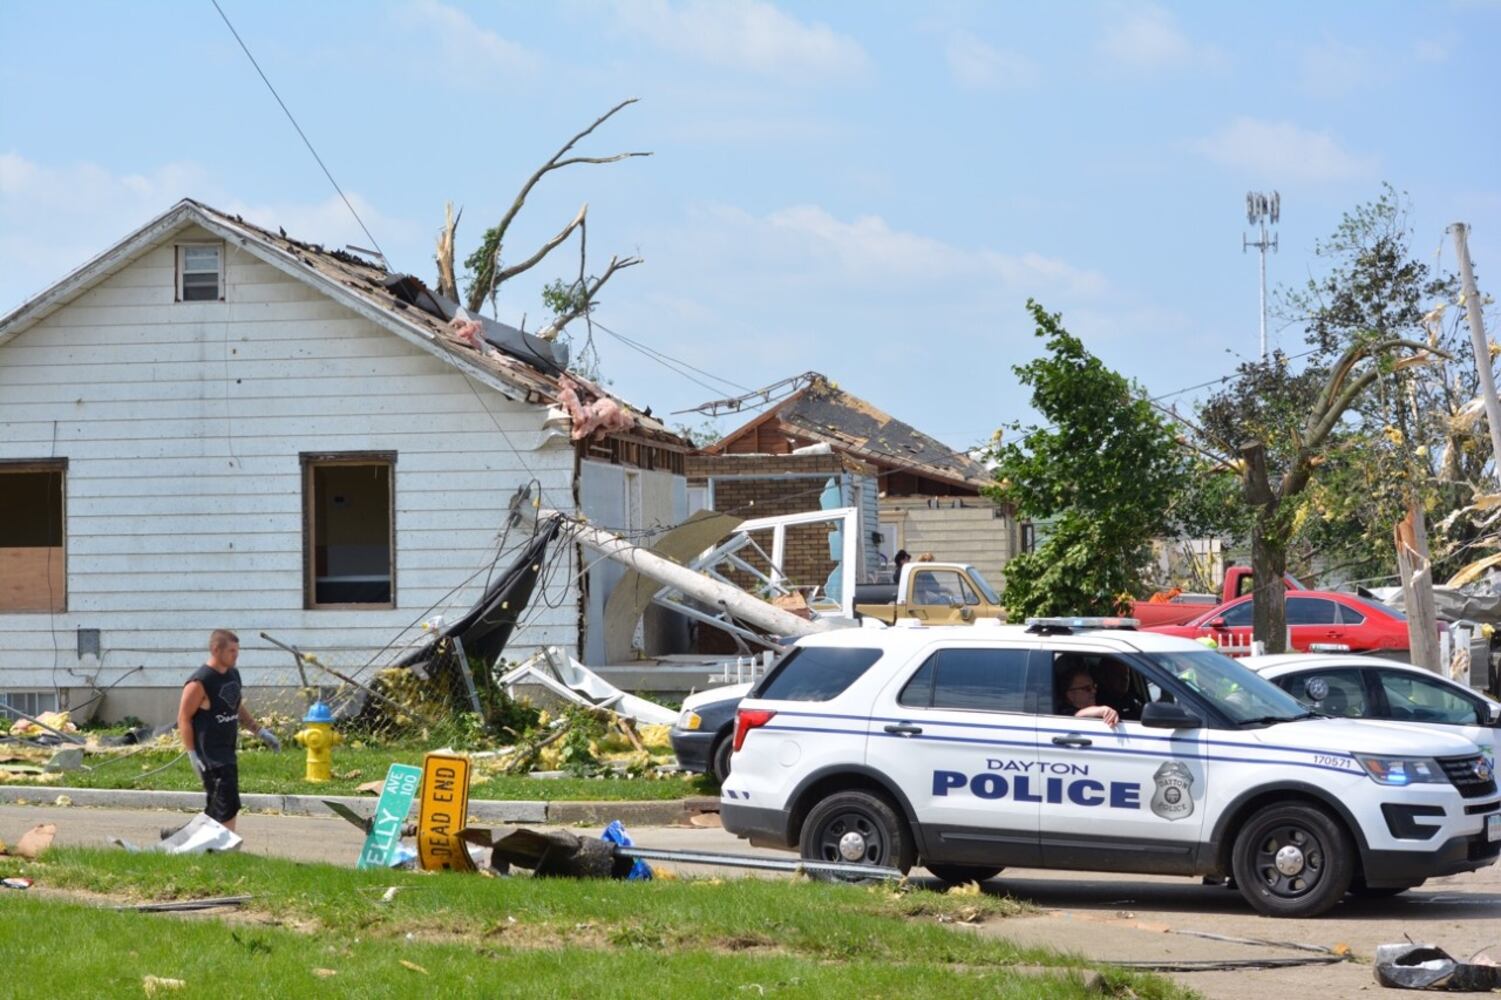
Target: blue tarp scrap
615,834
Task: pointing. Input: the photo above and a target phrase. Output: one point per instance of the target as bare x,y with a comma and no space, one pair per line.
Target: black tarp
485,629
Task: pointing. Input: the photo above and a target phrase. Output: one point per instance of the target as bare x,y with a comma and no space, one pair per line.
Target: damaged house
914,492
212,425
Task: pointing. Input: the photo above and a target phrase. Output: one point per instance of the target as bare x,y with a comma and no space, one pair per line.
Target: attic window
200,272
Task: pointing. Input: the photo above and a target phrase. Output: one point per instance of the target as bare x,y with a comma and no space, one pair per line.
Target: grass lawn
282,774
512,936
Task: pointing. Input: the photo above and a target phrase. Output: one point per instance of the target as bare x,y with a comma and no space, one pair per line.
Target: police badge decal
1173,798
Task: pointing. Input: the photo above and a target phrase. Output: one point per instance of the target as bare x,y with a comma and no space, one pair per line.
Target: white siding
183,424
604,500
980,534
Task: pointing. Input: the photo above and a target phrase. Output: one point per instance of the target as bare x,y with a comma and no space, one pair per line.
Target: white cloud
55,217
1333,69
1431,50
1281,151
977,65
464,51
812,243
749,35
1148,39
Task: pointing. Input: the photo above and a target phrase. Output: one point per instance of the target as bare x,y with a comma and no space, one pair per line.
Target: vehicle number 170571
1324,761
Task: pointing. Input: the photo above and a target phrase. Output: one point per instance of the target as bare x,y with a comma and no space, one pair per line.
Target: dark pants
222,783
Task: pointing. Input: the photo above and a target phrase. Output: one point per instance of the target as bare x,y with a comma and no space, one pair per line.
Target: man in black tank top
208,719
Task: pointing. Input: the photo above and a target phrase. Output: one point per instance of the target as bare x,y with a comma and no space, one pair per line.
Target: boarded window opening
33,564
350,532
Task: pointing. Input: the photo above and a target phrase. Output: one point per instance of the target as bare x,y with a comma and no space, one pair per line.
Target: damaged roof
516,364
821,411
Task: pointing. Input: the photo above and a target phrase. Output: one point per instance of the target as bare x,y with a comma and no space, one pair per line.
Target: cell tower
1262,209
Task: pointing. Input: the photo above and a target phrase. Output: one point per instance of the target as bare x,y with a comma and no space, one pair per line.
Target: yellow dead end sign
442,813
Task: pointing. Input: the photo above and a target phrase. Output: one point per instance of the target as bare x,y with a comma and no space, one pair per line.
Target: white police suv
961,749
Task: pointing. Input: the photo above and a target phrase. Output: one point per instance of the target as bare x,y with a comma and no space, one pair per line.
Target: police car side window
816,673
976,680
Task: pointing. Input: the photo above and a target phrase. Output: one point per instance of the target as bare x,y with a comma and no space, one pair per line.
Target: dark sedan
702,735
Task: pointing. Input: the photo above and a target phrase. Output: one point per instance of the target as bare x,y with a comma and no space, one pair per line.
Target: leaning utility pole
1478,341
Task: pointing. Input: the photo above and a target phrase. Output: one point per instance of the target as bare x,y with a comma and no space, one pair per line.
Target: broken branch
448,285
547,248
486,260
585,301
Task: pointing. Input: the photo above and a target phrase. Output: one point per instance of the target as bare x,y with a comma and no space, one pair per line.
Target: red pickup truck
1178,609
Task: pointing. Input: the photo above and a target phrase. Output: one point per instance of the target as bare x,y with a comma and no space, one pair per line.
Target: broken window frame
311,461
182,270
58,603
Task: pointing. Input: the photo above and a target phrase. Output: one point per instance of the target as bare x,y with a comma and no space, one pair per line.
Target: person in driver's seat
1080,697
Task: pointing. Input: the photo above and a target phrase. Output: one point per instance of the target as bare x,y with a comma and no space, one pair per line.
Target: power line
668,361
370,236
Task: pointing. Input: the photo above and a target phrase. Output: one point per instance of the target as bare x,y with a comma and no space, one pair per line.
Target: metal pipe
763,864
694,584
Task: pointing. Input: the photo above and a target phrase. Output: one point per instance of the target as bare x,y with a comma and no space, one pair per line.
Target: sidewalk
667,812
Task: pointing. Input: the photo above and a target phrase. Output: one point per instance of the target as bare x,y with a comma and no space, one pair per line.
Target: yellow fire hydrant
320,739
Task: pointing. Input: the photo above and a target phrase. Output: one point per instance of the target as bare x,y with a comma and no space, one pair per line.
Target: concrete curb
663,813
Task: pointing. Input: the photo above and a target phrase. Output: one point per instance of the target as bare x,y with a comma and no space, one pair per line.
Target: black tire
961,874
1293,861
883,837
719,759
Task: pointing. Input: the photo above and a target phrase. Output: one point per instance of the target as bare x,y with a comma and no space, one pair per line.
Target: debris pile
1409,966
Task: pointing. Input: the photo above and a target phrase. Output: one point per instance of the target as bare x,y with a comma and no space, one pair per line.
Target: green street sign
396,796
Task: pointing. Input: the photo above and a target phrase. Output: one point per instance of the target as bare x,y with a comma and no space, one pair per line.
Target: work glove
269,738
196,761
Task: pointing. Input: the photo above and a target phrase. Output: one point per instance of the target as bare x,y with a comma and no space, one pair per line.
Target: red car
1330,621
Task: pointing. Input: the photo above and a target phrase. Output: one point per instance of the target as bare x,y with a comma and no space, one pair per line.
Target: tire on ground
1293,860
872,820
719,758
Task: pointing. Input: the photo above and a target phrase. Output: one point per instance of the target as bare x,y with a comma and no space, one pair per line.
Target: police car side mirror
1493,714
1169,715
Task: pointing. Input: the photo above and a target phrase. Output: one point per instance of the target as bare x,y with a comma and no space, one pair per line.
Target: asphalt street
1103,916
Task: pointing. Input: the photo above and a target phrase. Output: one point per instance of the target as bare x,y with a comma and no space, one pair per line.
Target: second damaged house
214,425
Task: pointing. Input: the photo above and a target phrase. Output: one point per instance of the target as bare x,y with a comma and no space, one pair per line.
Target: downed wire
1263,942
1228,964
185,905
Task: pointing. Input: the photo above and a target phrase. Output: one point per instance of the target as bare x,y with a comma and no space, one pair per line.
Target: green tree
1334,451
1102,474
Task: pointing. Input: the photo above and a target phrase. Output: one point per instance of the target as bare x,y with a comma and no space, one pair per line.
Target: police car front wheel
860,828
1293,860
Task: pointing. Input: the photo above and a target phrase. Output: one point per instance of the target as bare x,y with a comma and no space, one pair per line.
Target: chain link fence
432,695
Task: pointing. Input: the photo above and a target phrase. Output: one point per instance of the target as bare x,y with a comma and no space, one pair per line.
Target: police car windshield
1241,694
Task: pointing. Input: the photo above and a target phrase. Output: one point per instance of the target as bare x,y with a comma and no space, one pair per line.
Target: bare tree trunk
1268,567
448,284
1268,554
1417,590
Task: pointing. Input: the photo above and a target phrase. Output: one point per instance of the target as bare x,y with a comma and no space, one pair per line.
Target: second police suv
963,750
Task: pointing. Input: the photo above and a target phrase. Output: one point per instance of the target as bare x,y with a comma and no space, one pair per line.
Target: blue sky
868,190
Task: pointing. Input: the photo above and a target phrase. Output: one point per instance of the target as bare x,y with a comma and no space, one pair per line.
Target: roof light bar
1065,626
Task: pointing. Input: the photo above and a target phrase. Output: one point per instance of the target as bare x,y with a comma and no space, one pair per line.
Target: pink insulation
468,331
601,416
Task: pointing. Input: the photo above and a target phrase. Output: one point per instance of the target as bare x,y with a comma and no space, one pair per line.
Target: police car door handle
905,729
1073,741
